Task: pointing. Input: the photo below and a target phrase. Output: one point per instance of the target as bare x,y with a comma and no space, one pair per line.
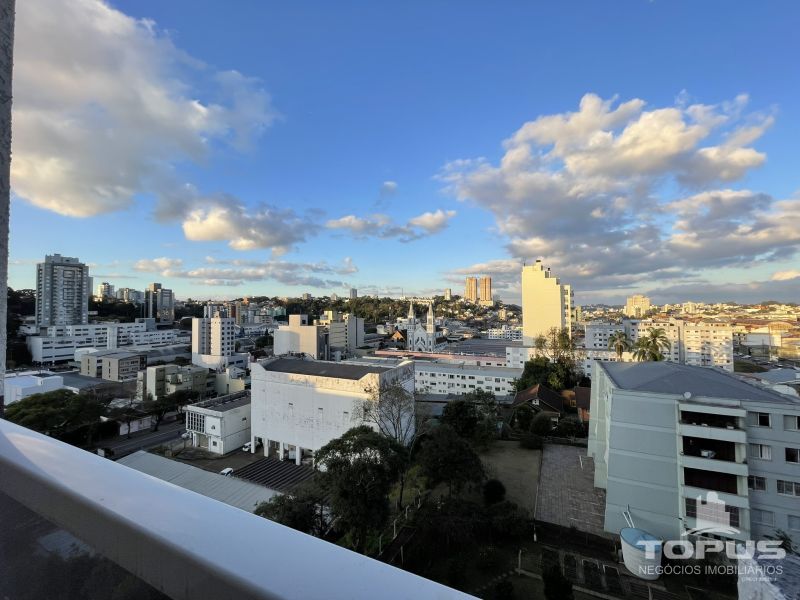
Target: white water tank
641,552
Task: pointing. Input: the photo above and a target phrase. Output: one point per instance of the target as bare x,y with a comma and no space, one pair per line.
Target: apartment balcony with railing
165,539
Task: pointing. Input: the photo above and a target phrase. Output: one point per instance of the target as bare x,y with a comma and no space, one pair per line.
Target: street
143,440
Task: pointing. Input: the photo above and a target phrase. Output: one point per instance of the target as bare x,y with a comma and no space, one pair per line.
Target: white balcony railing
182,543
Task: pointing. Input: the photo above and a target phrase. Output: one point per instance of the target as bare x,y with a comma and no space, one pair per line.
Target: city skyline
251,167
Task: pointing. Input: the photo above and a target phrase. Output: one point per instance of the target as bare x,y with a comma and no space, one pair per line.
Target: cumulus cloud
382,226
785,275
593,192
225,272
107,108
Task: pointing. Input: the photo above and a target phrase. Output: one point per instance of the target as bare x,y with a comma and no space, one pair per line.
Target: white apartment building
636,306
113,365
298,337
220,425
506,332
130,295
105,290
22,385
696,342
669,439
298,406
163,380
460,378
546,303
63,287
59,343
213,341
346,333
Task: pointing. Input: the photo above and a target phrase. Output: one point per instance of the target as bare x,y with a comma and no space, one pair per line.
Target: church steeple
411,314
431,325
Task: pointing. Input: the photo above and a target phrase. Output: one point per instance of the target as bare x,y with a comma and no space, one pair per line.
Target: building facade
63,287
220,425
471,289
637,306
159,303
298,337
458,379
669,439
298,406
546,303
486,291
162,380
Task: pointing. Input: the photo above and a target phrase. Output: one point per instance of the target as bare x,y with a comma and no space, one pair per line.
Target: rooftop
225,403
73,379
672,378
230,490
319,368
282,476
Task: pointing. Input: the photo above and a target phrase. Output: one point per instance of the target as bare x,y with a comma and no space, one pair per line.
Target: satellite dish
687,395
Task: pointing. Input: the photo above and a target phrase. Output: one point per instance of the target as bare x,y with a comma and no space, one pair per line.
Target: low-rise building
298,406
461,378
668,439
113,365
22,385
298,337
162,380
220,425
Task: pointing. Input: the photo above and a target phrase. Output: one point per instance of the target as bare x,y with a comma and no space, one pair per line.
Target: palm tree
619,343
651,347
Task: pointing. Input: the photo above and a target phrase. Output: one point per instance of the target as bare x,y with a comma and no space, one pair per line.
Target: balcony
183,544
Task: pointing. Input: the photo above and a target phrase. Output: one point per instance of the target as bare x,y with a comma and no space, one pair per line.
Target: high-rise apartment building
160,303
62,291
471,289
105,290
448,294
353,293
130,295
213,340
637,306
546,303
486,291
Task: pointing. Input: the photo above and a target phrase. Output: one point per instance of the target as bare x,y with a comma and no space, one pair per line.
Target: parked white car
228,471
247,447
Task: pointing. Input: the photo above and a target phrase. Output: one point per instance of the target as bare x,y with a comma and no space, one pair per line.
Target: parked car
248,447
227,471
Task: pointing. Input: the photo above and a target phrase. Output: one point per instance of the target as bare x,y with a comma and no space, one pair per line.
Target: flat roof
672,378
230,490
321,368
76,380
225,403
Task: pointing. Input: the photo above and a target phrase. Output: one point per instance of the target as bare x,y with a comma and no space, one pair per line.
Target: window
793,455
763,517
794,523
761,451
791,422
756,483
788,488
756,419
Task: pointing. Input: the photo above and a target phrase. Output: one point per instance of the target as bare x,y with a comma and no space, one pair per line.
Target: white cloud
785,275
592,191
106,107
223,272
380,225
388,188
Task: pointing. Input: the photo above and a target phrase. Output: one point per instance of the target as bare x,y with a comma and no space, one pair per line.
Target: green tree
493,491
263,341
542,424
59,413
651,347
447,457
619,343
462,416
303,510
158,408
358,470
556,586
523,416
126,413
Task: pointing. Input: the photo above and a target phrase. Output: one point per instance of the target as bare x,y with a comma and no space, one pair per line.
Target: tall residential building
486,291
471,289
669,439
62,291
213,343
105,290
298,337
353,293
448,294
636,306
130,295
160,303
546,303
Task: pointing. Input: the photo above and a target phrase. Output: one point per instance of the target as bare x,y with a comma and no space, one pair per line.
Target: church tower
412,318
431,325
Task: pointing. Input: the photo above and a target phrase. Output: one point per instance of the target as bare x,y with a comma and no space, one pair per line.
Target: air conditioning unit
707,453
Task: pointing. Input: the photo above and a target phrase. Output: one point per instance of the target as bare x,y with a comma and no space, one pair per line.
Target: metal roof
230,490
275,474
672,378
319,368
224,403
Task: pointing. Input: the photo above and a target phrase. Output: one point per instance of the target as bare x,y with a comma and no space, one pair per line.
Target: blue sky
278,148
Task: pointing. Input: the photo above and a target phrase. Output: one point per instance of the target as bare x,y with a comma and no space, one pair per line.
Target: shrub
503,590
493,491
489,558
531,441
542,424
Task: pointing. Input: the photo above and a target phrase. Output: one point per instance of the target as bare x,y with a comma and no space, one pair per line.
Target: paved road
145,440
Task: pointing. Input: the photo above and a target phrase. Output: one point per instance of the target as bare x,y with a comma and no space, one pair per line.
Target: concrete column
298,454
281,451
